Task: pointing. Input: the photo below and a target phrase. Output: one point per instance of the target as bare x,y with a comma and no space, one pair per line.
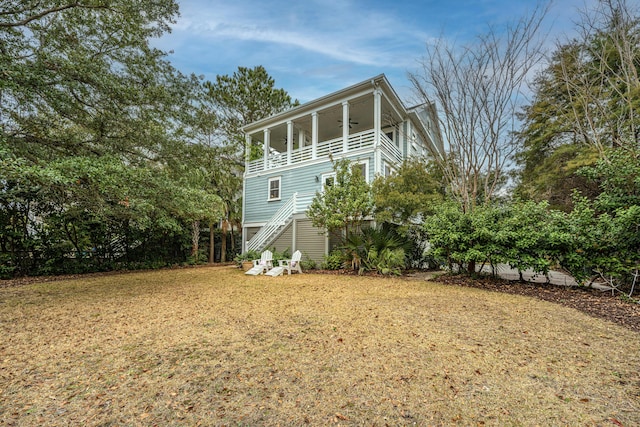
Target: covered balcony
363,122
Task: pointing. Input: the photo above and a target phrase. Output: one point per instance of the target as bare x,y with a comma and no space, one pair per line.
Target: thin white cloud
327,46
313,47
346,34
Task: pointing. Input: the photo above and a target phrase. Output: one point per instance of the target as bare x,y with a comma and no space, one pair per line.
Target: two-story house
366,123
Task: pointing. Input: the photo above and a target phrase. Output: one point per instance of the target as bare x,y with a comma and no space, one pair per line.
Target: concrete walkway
505,272
553,277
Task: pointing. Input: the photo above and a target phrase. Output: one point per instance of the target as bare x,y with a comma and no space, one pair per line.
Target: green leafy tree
242,98
586,102
217,166
408,195
80,78
618,178
345,205
553,148
91,123
226,105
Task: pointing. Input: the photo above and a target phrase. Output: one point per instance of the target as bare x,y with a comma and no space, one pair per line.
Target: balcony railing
390,148
333,146
296,204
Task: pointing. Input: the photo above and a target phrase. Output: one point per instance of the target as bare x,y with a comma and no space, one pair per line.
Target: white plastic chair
262,265
293,263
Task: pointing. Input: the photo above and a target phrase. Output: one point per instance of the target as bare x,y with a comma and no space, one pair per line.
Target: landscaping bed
595,302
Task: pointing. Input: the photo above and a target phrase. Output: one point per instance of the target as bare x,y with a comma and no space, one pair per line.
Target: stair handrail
278,219
303,201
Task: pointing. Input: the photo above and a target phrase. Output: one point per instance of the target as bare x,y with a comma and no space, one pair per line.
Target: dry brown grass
211,346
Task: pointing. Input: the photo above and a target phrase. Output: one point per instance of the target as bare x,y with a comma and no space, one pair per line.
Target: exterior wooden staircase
298,203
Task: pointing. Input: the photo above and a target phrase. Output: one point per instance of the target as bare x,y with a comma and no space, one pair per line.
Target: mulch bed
594,302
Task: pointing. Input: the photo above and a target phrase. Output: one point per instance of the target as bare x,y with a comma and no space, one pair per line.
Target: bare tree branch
601,76
478,89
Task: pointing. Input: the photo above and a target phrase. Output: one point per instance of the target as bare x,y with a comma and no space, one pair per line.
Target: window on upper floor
362,167
393,136
414,142
274,188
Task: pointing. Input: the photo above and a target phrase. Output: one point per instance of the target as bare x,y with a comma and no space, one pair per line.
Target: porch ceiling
330,122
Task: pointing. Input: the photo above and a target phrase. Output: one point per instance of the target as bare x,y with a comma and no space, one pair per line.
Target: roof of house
380,81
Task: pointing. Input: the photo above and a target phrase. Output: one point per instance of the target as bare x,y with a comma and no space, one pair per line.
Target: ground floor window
388,170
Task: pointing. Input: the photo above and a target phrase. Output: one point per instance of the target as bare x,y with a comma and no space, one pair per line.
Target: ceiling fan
284,138
351,123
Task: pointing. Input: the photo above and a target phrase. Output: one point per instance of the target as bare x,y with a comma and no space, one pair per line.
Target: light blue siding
301,180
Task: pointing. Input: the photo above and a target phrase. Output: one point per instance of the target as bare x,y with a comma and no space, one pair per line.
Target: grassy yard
210,346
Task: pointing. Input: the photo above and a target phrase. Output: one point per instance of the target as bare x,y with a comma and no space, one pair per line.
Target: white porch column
301,137
265,148
377,119
314,135
289,141
294,226
345,126
377,115
247,148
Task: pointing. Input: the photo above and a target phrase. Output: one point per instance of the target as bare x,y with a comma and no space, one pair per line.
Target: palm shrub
376,249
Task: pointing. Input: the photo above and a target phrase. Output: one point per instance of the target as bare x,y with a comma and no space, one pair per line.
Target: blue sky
314,47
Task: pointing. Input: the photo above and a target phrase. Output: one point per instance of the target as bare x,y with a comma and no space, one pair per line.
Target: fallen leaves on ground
595,302
211,346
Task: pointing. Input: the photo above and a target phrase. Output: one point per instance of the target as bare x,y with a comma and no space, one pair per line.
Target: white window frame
414,142
387,167
395,135
366,167
324,178
274,179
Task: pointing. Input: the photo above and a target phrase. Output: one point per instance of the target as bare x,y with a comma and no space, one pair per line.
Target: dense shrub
333,261
528,235
524,235
376,249
605,245
307,263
